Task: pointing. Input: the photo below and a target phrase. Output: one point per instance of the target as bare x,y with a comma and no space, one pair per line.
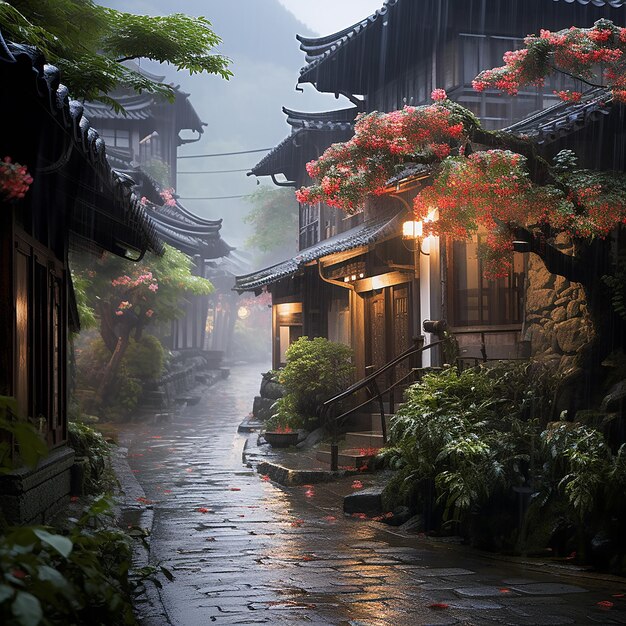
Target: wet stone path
246,551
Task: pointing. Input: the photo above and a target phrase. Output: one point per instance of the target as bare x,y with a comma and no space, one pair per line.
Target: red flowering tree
593,55
494,190
348,172
128,297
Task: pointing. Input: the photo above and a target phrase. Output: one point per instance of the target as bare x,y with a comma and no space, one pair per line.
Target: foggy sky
329,16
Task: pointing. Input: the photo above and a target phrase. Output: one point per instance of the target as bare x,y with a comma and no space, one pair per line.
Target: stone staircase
361,443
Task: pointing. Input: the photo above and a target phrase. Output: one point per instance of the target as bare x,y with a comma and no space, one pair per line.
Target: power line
246,195
245,169
198,156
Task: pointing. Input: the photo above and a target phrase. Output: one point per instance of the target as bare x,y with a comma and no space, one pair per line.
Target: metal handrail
369,383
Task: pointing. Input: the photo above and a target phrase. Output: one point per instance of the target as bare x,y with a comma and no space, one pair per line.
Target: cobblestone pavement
245,551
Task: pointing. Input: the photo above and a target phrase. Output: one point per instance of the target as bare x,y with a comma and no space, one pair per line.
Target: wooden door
376,339
401,328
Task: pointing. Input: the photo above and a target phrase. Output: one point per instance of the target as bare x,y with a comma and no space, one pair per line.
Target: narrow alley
246,551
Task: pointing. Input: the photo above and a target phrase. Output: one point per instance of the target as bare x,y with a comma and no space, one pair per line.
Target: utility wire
245,169
198,156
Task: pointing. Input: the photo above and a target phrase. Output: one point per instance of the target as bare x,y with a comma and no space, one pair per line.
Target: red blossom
14,179
574,51
605,604
347,172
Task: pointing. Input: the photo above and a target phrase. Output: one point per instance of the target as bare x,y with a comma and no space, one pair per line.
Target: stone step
365,439
349,458
366,422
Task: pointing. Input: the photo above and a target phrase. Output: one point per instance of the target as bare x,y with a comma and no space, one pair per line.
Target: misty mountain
243,113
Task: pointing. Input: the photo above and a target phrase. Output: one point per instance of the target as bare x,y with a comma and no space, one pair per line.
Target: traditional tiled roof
287,155
207,244
109,216
616,4
143,107
176,226
136,107
563,118
319,49
341,119
362,235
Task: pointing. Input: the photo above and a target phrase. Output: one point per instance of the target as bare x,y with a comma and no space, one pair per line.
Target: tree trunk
113,365
107,330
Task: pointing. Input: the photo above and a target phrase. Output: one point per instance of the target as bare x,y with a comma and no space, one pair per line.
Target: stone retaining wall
557,322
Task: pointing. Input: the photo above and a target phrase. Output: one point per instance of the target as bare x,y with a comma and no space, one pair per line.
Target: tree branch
556,262
121,60
538,167
574,76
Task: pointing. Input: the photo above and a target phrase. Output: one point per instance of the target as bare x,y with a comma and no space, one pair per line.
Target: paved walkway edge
149,608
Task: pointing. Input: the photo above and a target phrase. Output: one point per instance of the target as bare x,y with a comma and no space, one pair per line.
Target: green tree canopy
274,219
89,43
127,297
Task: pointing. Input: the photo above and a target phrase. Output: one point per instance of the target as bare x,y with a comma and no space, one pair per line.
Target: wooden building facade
366,277
145,137
75,200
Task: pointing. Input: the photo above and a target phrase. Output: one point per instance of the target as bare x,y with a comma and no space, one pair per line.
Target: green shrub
472,437
316,370
144,359
464,432
90,444
80,578
19,440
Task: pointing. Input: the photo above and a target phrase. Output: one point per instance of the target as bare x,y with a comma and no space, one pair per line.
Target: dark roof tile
365,234
563,118
122,207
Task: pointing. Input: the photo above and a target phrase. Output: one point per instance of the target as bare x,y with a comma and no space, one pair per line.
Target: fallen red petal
438,605
203,509
235,489
605,604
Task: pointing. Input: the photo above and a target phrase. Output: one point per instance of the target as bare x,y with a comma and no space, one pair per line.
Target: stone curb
289,477
249,425
149,610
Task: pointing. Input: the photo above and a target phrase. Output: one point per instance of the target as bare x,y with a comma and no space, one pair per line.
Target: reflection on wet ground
245,551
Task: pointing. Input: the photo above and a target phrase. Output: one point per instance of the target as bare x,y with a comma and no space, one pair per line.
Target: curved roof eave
318,50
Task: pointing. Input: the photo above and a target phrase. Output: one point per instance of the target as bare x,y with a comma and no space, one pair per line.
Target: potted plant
281,430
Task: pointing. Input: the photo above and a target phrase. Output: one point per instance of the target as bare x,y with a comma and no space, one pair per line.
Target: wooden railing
371,385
